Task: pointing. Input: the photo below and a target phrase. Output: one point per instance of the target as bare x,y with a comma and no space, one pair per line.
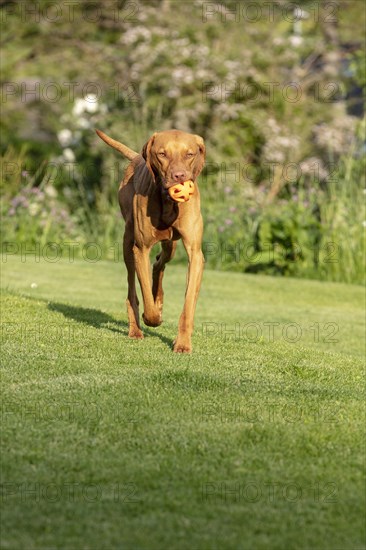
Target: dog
168,158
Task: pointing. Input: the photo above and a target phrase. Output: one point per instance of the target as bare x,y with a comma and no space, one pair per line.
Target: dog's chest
153,215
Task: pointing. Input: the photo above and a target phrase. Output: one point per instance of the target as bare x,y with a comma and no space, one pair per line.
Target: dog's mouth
168,184
182,192
174,191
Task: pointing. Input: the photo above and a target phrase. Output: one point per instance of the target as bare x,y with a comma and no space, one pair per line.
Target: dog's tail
126,151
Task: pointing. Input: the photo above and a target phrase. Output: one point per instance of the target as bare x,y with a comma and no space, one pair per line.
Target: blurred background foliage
275,90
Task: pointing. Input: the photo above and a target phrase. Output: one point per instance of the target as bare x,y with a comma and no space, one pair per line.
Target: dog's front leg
152,314
182,343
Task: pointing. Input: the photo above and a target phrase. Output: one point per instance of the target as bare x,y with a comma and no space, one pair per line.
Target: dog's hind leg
132,301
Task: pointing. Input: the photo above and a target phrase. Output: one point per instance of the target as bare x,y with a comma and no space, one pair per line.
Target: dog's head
174,157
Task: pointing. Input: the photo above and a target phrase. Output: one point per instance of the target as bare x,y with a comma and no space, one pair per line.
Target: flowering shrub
233,83
35,215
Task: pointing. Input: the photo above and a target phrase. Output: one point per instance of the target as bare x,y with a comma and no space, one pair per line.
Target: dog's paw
181,346
152,321
135,333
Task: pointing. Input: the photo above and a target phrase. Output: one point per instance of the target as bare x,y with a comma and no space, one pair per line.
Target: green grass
245,444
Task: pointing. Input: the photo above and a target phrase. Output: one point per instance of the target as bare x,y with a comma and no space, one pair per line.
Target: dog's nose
179,176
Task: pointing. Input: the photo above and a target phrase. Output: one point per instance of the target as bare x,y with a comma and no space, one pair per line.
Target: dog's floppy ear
146,153
201,159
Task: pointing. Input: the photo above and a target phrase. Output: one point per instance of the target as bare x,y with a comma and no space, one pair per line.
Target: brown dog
151,216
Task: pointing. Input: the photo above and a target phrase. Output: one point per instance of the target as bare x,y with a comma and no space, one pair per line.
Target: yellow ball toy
181,192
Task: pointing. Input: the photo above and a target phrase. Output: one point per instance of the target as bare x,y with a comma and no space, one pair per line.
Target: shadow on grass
98,319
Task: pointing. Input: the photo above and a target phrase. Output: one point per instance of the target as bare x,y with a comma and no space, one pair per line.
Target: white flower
336,136
68,155
83,122
88,104
272,124
34,285
181,42
228,111
284,141
173,92
65,137
91,103
296,41
50,191
33,209
183,74
364,223
314,167
78,107
203,51
133,34
299,13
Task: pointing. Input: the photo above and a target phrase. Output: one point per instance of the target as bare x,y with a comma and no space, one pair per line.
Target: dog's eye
162,154
190,155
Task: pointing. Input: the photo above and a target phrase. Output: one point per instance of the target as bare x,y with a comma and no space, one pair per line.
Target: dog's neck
169,208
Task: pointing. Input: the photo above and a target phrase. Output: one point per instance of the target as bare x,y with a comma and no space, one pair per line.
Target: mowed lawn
255,441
